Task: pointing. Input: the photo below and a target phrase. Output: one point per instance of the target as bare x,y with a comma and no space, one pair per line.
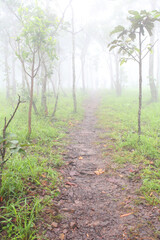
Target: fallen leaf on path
127,214
99,171
65,231
70,184
73,225
80,158
54,224
62,236
152,163
121,175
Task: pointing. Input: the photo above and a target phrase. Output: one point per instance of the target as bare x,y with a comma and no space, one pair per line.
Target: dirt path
96,206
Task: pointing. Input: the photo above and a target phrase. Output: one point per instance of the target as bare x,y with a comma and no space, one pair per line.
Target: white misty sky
111,12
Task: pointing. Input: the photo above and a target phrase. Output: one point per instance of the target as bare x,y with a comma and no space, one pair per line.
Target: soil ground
98,200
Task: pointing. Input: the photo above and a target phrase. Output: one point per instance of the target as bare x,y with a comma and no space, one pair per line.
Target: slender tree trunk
153,88
83,77
73,64
38,89
29,91
53,86
140,84
7,71
23,78
57,96
30,108
158,64
118,82
44,86
31,100
14,88
111,72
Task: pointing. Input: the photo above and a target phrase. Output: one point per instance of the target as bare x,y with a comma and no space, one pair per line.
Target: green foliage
11,144
118,29
18,218
118,116
31,174
36,36
140,22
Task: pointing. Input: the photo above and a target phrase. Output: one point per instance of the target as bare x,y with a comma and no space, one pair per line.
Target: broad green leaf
118,29
157,15
132,35
137,50
14,142
123,33
135,13
22,151
143,12
123,61
2,139
149,30
112,47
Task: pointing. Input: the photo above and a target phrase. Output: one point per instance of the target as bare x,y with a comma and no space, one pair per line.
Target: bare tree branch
61,20
12,116
130,54
150,49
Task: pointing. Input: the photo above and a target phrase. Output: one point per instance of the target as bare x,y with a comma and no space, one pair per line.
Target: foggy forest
79,120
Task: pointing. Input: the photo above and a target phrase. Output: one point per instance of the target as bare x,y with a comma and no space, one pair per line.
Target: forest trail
96,200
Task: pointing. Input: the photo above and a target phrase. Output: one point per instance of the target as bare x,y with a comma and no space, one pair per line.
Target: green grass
27,177
119,117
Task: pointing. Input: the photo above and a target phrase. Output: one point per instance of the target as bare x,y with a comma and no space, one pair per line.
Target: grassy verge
30,182
119,117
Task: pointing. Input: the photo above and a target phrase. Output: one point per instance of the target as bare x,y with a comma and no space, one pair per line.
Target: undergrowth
29,179
118,115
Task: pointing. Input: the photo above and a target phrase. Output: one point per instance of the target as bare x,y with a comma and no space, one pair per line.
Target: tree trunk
23,78
158,64
83,77
14,88
30,108
152,84
7,71
111,72
140,84
57,96
29,91
73,65
44,86
31,100
118,82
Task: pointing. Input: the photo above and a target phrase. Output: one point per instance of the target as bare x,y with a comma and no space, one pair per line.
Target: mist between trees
53,54
50,46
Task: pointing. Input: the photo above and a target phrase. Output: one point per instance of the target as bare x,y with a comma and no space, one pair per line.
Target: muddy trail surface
97,199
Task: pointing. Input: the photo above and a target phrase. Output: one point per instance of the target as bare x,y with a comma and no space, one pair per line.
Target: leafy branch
7,142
